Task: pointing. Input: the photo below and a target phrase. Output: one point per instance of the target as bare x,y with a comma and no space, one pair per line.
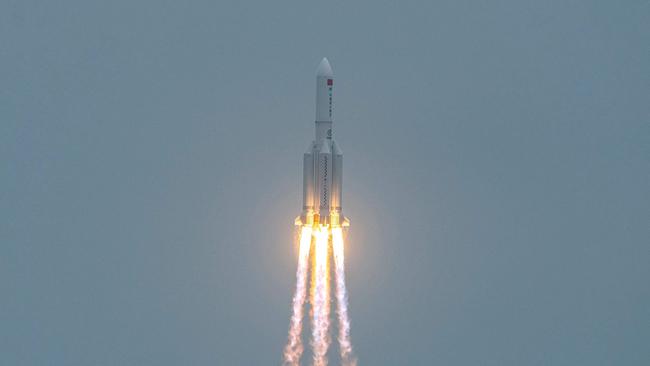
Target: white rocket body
323,162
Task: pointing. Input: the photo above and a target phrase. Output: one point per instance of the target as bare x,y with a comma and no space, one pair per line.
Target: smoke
345,345
321,304
294,348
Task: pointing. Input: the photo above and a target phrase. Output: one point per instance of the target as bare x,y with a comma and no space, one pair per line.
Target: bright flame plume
321,304
326,242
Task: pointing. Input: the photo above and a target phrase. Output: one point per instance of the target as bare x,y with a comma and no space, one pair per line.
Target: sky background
497,176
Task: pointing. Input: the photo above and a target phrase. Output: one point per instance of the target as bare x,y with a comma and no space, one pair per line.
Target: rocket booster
323,161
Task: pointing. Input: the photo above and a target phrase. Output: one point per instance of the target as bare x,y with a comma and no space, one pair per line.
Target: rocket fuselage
323,161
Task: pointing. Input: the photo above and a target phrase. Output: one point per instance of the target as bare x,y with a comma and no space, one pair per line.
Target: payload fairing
323,162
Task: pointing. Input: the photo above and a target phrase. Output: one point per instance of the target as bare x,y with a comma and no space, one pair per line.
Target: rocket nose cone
324,69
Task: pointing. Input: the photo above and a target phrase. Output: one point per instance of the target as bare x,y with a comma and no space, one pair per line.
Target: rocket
323,162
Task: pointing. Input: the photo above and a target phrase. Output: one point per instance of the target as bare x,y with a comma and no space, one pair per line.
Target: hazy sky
497,176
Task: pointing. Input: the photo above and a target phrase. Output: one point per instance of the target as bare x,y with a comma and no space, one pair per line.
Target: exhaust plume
345,345
294,348
321,305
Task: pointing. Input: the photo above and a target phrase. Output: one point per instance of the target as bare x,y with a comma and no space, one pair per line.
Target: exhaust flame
345,344
319,236
294,348
321,304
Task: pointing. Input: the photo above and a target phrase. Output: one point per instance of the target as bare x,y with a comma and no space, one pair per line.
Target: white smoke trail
294,348
347,357
321,304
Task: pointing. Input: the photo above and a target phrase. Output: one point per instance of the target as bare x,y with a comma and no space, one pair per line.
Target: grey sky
497,177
